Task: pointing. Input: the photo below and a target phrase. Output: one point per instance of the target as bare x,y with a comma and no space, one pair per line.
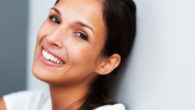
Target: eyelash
54,19
82,35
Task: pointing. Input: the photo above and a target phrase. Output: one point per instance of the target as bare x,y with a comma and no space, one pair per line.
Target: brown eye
82,35
54,19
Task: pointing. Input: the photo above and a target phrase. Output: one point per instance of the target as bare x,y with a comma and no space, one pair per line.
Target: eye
54,19
82,35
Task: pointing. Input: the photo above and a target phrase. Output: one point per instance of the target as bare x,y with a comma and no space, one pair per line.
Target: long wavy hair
120,19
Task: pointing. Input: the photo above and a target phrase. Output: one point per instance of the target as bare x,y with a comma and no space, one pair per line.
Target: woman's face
69,42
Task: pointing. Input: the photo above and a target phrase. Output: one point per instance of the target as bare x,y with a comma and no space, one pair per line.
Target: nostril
56,45
54,42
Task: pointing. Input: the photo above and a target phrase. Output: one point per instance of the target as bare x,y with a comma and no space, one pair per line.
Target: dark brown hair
120,19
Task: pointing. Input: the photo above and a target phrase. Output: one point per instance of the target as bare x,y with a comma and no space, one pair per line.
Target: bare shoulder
2,104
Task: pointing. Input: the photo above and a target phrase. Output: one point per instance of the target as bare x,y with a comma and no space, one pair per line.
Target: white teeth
55,59
51,57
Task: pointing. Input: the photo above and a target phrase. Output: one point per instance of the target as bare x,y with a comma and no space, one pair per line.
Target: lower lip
46,62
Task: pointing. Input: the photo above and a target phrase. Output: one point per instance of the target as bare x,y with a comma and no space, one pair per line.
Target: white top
40,100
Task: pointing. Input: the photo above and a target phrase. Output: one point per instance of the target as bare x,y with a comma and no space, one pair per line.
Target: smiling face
69,43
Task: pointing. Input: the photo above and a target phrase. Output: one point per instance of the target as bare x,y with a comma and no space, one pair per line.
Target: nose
55,39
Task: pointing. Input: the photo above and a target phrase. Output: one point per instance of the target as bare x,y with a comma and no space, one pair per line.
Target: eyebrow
77,22
84,25
56,10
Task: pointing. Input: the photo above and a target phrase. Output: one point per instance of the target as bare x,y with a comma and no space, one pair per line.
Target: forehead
81,1
82,6
87,11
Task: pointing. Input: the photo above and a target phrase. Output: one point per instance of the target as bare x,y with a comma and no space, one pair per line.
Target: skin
80,55
63,34
2,104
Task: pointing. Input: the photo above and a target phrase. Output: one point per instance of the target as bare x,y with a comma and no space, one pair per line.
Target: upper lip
52,53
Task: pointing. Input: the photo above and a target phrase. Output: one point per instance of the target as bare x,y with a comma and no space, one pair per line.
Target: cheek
37,46
83,56
84,53
43,30
87,55
82,65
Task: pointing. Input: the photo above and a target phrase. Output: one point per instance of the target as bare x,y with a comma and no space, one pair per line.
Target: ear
107,64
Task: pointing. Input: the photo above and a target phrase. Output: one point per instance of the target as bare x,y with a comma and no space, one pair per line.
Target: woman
80,48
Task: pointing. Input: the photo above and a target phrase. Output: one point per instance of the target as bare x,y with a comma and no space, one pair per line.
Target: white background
160,72
38,12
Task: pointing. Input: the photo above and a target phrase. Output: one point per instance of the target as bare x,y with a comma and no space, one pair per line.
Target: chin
47,75
38,74
42,73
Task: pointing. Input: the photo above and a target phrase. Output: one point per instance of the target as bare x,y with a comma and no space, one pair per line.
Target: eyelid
54,14
87,37
52,19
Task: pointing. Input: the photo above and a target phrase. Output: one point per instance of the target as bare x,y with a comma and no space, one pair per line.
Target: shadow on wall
13,38
120,90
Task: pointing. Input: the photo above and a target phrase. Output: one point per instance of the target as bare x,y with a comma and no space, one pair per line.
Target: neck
67,98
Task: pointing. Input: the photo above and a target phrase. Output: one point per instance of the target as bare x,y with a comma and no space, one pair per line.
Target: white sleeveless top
40,100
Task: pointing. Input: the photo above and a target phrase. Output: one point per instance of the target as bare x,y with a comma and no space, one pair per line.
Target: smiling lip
49,62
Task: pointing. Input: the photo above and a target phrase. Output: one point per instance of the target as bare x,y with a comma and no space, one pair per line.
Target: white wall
38,11
160,72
